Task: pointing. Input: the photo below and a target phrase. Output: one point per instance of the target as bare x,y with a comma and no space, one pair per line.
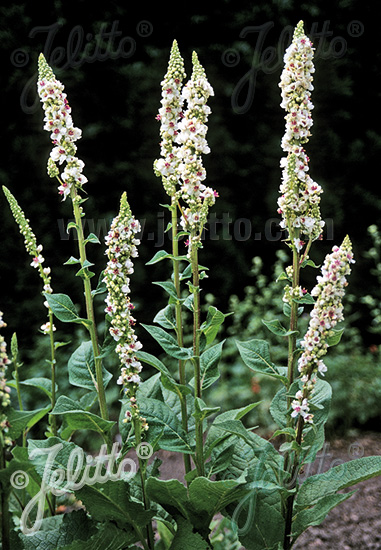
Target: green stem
89,305
5,520
142,472
53,419
196,351
179,326
18,389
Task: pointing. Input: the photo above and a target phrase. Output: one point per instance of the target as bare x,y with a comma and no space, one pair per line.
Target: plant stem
196,351
293,322
179,326
5,523
18,389
89,305
142,472
53,419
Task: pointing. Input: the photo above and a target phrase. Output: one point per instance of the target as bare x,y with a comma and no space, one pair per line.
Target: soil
355,524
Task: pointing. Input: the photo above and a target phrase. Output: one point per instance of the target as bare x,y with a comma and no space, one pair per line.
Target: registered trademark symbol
355,28
144,28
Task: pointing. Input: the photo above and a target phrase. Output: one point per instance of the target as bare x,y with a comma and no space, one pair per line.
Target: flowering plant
228,468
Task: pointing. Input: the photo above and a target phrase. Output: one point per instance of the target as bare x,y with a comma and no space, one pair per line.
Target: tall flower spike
170,113
5,391
121,248
31,246
300,195
63,133
327,312
192,140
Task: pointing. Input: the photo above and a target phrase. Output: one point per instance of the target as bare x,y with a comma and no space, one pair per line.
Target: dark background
113,86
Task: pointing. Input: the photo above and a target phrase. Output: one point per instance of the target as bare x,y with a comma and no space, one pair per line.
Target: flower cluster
63,133
300,195
183,133
31,246
327,312
121,247
5,399
192,140
170,113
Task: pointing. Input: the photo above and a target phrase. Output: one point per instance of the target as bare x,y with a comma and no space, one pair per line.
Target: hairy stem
142,473
196,352
89,304
179,326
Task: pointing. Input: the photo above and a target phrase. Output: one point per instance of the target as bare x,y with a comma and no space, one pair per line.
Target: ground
353,525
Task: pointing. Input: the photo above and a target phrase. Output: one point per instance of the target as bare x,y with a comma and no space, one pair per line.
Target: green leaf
277,328
168,343
306,299
202,411
81,368
278,407
24,420
287,310
108,537
78,418
60,531
64,309
337,478
43,384
169,287
159,415
209,361
310,263
315,515
162,255
283,277
335,337
101,286
72,261
71,225
166,377
213,321
186,538
166,318
111,501
256,355
92,239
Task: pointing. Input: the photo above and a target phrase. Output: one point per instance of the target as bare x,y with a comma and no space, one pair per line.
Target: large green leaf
186,539
59,531
64,309
111,501
24,420
316,514
166,318
108,537
337,478
81,368
43,384
78,418
256,355
209,361
168,343
159,415
167,379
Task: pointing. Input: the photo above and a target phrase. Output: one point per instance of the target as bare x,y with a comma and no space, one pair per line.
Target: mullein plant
63,134
122,245
48,328
183,117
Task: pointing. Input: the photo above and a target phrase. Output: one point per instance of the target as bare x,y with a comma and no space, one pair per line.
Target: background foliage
115,101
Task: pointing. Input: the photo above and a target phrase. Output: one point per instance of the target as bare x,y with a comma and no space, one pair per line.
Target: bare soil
353,525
